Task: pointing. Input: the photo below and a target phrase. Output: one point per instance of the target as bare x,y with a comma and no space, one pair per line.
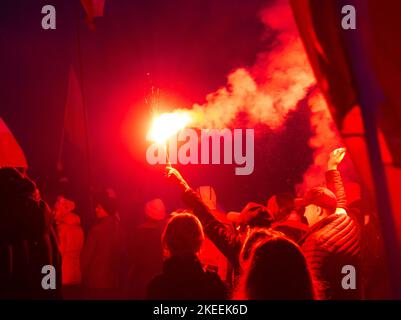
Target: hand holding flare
166,125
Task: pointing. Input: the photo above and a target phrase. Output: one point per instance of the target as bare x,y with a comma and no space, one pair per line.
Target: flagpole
84,111
60,151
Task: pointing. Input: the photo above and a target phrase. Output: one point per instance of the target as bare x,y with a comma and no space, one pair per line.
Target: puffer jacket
328,246
335,184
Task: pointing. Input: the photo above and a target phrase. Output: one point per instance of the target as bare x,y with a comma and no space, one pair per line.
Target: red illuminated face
313,214
100,212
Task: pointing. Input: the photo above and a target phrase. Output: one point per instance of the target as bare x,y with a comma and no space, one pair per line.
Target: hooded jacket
71,241
328,246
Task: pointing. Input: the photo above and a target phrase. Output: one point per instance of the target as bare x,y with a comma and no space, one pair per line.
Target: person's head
280,205
276,270
105,203
255,236
319,202
155,210
14,184
24,214
253,215
63,206
183,235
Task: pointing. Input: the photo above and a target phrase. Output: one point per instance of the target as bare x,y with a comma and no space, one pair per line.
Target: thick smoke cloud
274,86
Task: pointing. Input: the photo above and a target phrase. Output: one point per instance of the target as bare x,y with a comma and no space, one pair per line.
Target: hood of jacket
71,218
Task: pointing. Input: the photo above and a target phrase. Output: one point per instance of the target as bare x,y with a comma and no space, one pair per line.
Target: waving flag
11,154
359,72
93,9
74,117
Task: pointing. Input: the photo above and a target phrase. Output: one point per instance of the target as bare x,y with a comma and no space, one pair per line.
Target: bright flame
166,125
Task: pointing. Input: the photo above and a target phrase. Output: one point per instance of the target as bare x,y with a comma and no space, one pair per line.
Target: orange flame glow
167,124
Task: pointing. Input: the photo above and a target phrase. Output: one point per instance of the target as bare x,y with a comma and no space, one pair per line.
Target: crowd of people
287,249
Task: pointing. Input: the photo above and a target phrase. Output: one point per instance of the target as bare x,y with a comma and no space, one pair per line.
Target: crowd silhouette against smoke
287,248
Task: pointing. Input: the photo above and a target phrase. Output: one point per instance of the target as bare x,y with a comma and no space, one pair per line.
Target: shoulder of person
216,285
212,276
156,287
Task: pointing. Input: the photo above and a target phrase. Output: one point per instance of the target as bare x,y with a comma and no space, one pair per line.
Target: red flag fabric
359,72
93,9
11,154
74,118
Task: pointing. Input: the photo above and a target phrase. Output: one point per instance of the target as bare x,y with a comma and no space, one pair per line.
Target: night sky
187,47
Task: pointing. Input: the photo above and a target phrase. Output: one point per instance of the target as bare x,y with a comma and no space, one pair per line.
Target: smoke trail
271,88
325,139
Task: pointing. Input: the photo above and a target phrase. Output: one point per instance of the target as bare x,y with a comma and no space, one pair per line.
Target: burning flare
166,125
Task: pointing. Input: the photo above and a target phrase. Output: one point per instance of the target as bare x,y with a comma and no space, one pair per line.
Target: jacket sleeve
335,184
224,238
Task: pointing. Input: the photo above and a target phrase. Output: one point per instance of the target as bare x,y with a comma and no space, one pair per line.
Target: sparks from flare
166,125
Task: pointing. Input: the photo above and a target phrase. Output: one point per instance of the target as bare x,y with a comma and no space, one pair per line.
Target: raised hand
175,176
336,156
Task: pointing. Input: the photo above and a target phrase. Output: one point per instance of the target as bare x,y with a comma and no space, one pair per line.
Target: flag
74,132
11,154
93,9
74,128
359,73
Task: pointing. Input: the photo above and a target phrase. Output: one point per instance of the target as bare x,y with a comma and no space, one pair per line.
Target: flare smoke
271,88
268,90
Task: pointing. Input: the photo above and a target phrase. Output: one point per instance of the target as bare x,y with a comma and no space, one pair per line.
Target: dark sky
188,47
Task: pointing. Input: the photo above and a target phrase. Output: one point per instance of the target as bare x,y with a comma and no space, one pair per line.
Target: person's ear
319,211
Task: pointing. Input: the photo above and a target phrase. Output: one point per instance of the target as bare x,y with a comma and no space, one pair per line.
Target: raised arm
224,238
334,181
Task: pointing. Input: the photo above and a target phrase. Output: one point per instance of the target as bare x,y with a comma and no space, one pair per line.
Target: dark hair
183,235
285,203
107,200
23,214
261,220
277,270
255,236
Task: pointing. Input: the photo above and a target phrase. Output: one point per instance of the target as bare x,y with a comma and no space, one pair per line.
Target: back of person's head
23,214
280,205
277,270
63,205
105,202
255,236
255,215
14,185
155,210
321,197
183,235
